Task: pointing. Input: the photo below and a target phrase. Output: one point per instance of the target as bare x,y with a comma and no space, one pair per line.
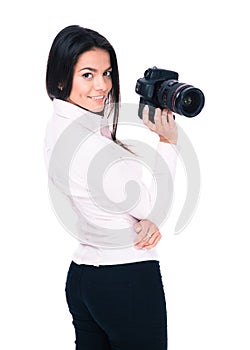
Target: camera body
160,88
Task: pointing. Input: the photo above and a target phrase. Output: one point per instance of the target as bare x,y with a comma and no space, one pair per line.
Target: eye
87,75
108,73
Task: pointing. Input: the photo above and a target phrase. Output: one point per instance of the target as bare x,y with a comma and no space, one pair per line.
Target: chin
97,109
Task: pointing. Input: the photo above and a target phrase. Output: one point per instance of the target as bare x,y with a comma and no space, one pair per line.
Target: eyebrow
93,69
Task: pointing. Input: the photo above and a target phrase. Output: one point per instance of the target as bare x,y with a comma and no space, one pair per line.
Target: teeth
97,97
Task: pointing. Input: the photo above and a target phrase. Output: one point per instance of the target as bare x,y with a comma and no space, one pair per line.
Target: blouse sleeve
110,178
124,185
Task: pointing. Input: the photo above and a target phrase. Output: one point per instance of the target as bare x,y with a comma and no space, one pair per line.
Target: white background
206,267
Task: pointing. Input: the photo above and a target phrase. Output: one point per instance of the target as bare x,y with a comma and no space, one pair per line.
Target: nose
100,83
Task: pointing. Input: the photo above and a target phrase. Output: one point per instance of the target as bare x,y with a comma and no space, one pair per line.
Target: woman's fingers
150,242
171,120
148,238
145,118
144,235
154,243
164,124
158,118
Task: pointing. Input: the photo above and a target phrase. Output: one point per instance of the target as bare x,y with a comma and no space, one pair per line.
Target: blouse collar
90,120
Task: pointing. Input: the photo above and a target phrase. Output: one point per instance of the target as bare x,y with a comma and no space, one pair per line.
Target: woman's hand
148,234
164,124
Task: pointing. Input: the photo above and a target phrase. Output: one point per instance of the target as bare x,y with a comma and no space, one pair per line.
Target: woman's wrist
162,139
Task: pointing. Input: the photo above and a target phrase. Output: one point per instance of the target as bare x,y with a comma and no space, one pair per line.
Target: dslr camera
159,88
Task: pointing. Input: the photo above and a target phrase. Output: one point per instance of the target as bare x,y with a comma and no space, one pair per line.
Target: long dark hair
67,46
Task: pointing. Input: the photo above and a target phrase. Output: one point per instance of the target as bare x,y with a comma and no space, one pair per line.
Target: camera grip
151,110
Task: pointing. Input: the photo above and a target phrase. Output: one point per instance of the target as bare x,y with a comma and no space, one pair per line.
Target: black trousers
118,307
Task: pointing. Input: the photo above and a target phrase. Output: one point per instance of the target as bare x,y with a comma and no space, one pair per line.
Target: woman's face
92,80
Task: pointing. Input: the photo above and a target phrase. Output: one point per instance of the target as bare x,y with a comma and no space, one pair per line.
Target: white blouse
97,188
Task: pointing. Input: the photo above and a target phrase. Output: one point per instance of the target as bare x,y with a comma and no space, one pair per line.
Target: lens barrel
181,98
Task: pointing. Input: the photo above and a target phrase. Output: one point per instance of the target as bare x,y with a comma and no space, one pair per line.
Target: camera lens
181,98
189,102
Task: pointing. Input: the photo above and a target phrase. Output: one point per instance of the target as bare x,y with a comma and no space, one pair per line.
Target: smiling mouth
98,98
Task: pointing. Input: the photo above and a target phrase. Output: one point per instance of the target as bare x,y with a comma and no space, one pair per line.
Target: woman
114,288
